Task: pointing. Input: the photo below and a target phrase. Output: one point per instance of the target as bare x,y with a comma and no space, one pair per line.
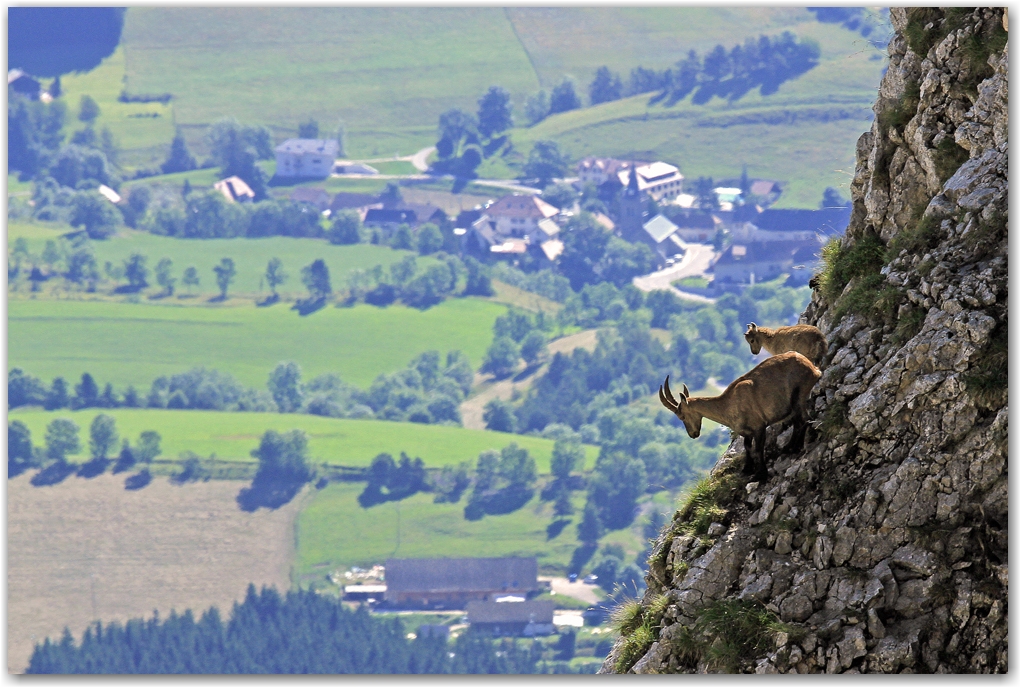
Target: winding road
695,261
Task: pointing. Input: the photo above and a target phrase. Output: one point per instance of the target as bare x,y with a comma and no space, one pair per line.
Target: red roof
520,206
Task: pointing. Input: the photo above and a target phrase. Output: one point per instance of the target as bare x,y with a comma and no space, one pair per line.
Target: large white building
657,179
306,157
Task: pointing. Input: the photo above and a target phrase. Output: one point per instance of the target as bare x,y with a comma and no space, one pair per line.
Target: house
362,202
748,263
235,190
658,180
791,225
313,196
411,214
452,582
512,618
769,190
697,227
599,170
657,233
518,215
306,157
547,229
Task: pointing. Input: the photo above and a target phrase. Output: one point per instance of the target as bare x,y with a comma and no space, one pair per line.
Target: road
420,162
694,263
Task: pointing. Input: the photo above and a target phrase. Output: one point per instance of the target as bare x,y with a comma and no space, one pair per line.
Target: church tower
631,207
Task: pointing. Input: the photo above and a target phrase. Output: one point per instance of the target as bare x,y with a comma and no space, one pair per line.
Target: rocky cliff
882,546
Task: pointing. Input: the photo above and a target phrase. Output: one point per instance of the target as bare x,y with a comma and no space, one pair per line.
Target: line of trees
764,63
63,439
298,632
429,390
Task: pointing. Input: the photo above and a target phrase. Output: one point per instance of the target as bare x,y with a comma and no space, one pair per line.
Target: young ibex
803,338
773,392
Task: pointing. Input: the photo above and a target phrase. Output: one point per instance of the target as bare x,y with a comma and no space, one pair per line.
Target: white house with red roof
519,215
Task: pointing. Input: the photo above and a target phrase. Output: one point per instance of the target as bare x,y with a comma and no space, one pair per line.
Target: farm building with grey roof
452,582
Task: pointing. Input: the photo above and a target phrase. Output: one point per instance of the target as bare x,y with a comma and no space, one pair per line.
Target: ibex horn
667,398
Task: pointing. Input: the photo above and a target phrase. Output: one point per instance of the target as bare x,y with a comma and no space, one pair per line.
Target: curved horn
665,401
687,394
669,395
752,327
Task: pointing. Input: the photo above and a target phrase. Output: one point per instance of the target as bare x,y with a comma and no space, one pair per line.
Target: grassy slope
333,531
232,436
249,255
401,69
388,73
824,112
126,343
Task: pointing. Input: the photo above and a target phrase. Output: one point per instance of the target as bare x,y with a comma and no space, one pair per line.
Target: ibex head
691,420
752,337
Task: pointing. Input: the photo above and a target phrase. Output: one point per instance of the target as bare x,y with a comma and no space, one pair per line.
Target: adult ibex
775,391
803,338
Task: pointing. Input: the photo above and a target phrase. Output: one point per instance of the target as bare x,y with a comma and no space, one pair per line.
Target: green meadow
334,532
232,436
250,255
133,343
389,74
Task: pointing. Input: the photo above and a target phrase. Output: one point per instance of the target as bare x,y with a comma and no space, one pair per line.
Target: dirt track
89,549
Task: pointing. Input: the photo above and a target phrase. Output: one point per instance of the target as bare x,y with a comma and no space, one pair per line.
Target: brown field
88,549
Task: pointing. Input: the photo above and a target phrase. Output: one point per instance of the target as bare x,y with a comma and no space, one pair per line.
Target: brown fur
802,338
775,391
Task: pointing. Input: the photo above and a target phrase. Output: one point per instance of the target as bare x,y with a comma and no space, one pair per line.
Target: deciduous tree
61,439
225,273
102,436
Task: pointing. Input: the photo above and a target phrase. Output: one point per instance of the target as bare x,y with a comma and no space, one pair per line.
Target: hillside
882,546
389,74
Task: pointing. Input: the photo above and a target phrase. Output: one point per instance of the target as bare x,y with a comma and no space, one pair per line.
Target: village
726,237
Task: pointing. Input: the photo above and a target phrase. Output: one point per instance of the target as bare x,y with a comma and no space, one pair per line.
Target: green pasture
133,343
250,256
333,532
374,67
232,436
389,74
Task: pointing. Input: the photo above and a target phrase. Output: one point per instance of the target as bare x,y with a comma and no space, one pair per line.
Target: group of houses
763,242
496,594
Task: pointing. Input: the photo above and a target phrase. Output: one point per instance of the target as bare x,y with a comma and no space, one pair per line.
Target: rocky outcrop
882,546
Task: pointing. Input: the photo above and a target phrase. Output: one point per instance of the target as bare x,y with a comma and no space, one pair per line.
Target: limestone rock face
882,545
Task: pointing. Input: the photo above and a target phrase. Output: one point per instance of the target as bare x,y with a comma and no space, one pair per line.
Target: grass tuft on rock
728,633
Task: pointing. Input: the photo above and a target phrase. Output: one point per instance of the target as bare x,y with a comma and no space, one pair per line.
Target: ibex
773,392
803,338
